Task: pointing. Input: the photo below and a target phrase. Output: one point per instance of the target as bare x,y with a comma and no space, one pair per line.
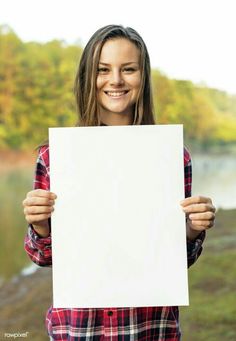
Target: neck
113,119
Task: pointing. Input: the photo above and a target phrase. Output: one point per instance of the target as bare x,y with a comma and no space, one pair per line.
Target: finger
40,218
37,201
195,200
41,193
198,208
204,224
35,210
202,216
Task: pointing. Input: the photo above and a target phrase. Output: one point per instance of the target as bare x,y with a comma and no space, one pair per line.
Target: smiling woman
115,60
112,87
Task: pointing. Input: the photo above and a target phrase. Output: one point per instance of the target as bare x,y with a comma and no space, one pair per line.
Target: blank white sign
118,231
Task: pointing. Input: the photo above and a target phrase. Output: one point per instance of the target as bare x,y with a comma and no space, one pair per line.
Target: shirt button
110,313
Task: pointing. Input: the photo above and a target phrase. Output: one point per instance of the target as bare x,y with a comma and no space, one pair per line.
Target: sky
187,39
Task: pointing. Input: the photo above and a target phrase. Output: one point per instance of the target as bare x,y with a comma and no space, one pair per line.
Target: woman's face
118,81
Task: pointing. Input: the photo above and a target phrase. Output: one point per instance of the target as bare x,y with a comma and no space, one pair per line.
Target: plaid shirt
117,324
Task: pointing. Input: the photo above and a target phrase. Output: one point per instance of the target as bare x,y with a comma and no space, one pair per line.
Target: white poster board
118,231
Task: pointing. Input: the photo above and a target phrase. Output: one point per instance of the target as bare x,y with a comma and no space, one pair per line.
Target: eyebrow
121,64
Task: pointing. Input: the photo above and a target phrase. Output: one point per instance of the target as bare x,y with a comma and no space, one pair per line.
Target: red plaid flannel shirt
117,324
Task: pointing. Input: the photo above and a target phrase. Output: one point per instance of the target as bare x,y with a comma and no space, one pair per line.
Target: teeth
116,93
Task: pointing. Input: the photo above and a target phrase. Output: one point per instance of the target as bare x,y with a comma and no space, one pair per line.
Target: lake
13,187
213,176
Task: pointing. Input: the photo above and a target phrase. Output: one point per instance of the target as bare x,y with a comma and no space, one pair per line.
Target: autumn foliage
36,92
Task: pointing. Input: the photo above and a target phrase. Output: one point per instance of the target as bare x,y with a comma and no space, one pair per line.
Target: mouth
116,94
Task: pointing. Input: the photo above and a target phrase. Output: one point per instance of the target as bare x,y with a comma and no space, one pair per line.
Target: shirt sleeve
39,248
194,247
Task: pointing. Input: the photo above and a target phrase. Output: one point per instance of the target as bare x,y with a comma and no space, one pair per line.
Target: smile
116,93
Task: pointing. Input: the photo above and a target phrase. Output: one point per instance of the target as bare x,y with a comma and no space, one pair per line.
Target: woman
112,87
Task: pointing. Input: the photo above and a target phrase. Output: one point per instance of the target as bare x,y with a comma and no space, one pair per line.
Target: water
213,176
13,187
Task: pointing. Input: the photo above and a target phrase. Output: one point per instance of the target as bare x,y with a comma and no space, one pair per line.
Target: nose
116,78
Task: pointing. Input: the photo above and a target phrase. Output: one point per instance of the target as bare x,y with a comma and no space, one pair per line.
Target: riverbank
11,159
23,304
211,315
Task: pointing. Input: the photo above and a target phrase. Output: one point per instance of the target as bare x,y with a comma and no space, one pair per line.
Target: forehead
119,50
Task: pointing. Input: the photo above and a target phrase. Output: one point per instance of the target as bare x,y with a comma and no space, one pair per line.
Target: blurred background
193,74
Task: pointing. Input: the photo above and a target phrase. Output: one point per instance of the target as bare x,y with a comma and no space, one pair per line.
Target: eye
129,69
103,70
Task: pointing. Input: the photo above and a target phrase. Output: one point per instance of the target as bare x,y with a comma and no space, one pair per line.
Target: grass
211,315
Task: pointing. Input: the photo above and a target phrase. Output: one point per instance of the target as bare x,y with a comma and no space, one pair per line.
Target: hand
38,207
200,214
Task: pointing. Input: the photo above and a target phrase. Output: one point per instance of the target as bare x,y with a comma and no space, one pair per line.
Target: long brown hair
85,80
